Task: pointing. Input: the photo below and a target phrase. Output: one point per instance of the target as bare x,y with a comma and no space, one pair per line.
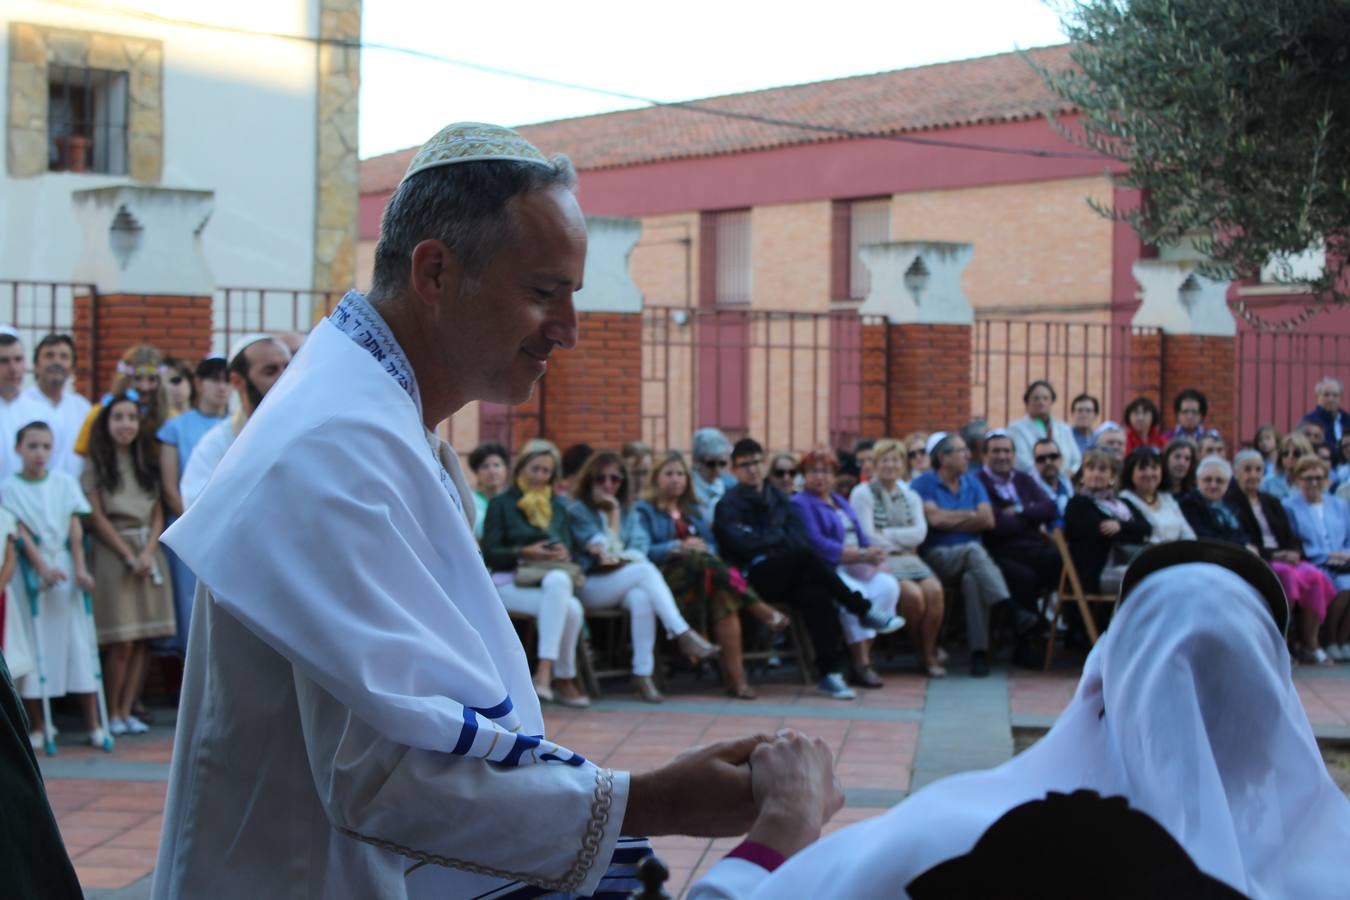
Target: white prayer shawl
205,459
1203,731
325,545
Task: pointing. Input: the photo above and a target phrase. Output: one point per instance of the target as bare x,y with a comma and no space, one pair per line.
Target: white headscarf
1187,709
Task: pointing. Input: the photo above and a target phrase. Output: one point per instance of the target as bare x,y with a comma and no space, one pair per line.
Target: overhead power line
689,106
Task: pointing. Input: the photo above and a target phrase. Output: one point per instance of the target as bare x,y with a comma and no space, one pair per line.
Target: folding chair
1071,589
798,646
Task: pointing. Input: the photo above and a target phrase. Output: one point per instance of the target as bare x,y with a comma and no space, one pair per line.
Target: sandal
933,670
743,692
545,693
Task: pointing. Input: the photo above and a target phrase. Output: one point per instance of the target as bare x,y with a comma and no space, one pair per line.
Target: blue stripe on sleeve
495,712
467,734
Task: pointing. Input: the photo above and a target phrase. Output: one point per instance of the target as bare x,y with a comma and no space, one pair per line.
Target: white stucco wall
239,120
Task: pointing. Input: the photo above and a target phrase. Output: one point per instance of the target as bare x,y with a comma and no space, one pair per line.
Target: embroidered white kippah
248,340
933,440
473,142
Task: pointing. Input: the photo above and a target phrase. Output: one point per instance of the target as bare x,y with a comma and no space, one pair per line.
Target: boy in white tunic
47,506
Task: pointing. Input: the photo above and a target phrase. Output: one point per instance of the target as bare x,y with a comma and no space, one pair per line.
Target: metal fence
789,379
1108,361
37,308
1276,374
239,311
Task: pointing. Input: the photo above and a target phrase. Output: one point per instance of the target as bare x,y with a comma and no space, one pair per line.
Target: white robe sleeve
202,464
550,825
730,879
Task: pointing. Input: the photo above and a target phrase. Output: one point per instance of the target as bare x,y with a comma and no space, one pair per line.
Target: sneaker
833,685
1320,657
1333,651
136,726
96,738
117,727
979,664
881,623
36,739
1345,651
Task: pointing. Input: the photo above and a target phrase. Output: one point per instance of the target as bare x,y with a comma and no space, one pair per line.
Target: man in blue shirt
958,511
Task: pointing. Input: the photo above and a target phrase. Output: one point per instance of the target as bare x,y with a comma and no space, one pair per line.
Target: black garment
749,524
33,859
1088,548
1030,573
1017,529
808,584
1276,518
506,530
1206,522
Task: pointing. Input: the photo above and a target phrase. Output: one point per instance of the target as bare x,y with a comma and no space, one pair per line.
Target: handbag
531,574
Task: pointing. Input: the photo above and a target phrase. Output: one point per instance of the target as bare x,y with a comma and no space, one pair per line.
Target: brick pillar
929,375
1206,363
1145,367
1197,344
593,394
874,408
176,326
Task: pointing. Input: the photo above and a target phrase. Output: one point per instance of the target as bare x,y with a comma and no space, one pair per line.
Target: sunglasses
609,478
784,473
176,380
750,463
1047,457
916,454
714,463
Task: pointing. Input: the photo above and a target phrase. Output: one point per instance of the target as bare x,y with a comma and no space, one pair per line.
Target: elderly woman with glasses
1280,483
1322,522
892,517
611,548
1269,530
1206,507
712,459
836,535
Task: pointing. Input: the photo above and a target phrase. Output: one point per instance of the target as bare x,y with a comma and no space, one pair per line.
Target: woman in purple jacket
837,537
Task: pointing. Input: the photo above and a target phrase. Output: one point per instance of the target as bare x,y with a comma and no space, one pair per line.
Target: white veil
1186,708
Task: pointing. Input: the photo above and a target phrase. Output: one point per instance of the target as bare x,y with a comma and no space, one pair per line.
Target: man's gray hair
464,207
1326,380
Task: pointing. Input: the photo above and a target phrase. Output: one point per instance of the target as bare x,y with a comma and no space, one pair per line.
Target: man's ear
435,272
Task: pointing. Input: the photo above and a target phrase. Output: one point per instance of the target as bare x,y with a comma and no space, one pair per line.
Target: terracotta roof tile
1001,88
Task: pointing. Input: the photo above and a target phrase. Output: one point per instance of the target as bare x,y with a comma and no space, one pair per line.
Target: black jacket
1206,523
1088,548
749,524
1276,517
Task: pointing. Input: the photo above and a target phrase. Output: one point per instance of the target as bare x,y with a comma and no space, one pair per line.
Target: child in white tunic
47,506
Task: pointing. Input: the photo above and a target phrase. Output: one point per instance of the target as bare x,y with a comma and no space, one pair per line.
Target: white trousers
882,589
641,589
557,617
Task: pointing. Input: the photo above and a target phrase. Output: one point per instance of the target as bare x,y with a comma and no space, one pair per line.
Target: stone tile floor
109,805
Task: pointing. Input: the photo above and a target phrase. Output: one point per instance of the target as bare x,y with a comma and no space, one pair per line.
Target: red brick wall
592,394
929,377
1205,363
874,410
1145,371
177,326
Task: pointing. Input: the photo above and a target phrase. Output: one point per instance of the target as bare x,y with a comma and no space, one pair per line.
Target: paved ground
888,743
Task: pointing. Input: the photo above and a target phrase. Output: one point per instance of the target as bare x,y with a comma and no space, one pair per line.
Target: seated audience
973,434
490,465
611,548
1323,524
1206,507
1102,530
784,472
760,531
528,548
837,537
892,517
1314,432
573,458
1341,474
712,458
1143,425
710,594
1328,414
1268,530
1109,438
864,455
1280,484
1050,479
1179,459
916,443
1267,443
1083,413
1039,399
637,460
1018,544
1212,444
1190,408
1142,478
847,473
958,512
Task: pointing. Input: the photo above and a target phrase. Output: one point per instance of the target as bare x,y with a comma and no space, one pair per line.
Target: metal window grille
733,258
869,222
86,120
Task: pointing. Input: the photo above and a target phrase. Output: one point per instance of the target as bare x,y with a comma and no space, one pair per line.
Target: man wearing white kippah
358,719
256,362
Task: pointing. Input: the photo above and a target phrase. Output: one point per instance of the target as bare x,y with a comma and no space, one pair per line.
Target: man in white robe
61,407
1186,712
256,362
357,716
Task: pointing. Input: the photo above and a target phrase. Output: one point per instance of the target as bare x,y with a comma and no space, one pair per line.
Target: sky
660,51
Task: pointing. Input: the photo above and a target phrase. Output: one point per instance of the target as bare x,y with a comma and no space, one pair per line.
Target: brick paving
109,806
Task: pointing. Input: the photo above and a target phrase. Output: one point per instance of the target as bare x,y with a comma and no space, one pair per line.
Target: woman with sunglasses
1280,484
917,454
611,548
1141,479
784,473
178,386
711,471
892,517
711,594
